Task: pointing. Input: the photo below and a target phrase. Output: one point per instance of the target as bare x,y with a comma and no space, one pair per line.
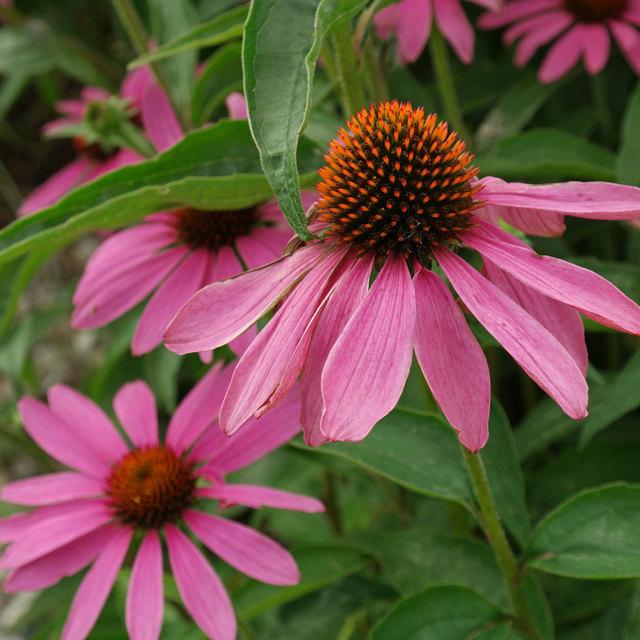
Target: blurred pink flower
88,516
581,28
141,90
410,21
398,195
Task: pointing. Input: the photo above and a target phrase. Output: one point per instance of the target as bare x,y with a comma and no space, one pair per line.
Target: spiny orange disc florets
596,10
150,487
213,229
396,181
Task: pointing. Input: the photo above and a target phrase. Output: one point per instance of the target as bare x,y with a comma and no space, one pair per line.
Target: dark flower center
150,487
595,10
213,229
396,182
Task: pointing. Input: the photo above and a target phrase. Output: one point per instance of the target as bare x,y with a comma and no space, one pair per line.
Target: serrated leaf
281,44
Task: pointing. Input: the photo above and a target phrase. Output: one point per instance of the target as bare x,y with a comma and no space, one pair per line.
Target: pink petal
124,290
451,360
386,20
200,324
53,532
255,252
59,440
94,94
73,109
158,118
245,549
64,561
512,11
541,35
167,300
51,488
199,408
562,56
135,406
573,285
368,365
145,596
455,27
255,497
414,27
95,587
597,200
202,592
628,40
256,438
347,294
596,46
263,365
529,222
560,319
236,106
136,83
87,419
536,350
58,185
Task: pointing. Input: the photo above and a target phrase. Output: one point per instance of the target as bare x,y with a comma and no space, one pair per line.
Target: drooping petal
244,548
529,222
368,365
413,28
264,363
135,406
145,596
96,586
51,488
199,408
597,200
56,531
568,283
255,251
167,300
255,497
59,440
201,324
201,590
512,11
451,360
236,106
347,294
64,561
628,40
562,56
58,185
386,21
541,35
136,83
87,419
455,27
596,46
158,118
536,350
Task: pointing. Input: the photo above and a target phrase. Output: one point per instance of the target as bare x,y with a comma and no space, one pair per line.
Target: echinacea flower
410,21
582,29
398,198
152,491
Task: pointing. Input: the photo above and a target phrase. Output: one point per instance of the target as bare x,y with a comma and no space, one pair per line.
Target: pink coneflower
410,21
581,28
398,198
88,516
171,255
155,114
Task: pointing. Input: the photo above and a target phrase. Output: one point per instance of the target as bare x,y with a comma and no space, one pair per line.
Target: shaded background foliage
400,548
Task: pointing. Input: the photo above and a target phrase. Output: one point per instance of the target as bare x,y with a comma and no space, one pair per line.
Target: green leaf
628,160
438,613
214,168
221,75
220,29
413,449
545,155
281,44
592,535
319,567
502,631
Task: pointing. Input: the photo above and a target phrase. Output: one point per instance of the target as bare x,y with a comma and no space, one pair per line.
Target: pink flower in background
581,29
397,196
236,106
141,90
89,515
410,21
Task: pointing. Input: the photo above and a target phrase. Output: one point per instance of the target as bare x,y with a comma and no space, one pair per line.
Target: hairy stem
346,67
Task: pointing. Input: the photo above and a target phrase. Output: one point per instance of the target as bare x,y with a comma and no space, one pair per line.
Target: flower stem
496,536
346,68
599,93
446,86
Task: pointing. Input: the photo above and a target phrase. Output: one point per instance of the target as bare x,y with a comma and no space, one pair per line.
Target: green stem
347,71
599,93
446,86
374,72
137,34
496,536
